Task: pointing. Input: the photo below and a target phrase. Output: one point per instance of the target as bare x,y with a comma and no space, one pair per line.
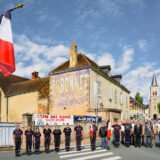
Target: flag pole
20,5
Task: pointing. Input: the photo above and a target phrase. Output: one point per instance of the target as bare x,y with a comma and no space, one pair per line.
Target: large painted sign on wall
70,88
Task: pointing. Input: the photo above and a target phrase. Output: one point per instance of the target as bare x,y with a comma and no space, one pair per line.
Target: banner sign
52,120
86,119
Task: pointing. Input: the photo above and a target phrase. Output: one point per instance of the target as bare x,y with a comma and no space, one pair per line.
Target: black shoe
108,148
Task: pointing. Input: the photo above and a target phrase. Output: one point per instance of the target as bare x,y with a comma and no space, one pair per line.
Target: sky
122,33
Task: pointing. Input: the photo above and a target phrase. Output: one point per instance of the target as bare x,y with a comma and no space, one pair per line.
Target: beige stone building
154,99
137,110
20,95
81,87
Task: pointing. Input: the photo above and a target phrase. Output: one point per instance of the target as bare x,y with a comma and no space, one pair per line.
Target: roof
5,82
154,80
27,86
117,76
84,62
106,67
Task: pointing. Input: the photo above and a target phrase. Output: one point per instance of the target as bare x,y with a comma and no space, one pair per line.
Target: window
126,101
155,107
99,88
110,92
154,100
116,98
121,96
95,94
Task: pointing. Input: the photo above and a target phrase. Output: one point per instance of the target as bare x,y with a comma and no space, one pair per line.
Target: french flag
7,61
91,131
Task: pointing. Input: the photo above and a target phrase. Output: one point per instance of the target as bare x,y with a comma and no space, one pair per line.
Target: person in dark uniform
47,138
37,139
17,139
93,135
138,134
57,138
116,133
67,136
127,132
78,133
28,138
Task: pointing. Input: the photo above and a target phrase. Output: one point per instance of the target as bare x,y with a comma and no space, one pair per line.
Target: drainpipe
7,108
96,101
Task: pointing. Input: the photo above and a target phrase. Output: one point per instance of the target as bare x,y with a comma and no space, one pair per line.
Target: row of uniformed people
35,137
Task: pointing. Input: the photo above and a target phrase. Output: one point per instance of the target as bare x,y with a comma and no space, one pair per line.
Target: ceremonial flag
109,134
7,61
91,131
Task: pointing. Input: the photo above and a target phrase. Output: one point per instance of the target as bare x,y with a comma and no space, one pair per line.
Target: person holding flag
7,61
103,135
93,135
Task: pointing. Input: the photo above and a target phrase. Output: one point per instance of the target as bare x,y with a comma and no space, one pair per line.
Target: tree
139,98
159,107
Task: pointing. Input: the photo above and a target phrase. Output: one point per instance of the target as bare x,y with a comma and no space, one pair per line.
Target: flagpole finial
20,5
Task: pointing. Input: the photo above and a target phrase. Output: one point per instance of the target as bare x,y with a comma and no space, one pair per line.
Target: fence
6,131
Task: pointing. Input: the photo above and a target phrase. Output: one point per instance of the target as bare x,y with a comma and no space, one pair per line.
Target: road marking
80,154
113,158
93,156
83,150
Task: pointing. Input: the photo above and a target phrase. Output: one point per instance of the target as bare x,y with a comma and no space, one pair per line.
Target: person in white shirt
122,132
132,134
158,127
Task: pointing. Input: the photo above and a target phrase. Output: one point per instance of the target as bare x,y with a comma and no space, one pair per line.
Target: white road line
113,158
83,150
81,154
93,156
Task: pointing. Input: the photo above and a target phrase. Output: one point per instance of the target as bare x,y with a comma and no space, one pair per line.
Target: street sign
86,119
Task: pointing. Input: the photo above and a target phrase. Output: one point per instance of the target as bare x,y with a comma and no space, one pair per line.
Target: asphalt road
122,153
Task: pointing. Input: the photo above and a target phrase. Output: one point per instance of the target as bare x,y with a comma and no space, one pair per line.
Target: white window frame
110,92
121,98
99,88
116,95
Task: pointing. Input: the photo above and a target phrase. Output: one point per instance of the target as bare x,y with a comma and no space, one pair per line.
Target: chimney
73,55
35,75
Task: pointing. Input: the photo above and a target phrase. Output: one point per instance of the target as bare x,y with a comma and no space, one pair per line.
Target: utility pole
96,99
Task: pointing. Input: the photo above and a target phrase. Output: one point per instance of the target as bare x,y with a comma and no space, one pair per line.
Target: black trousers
28,145
93,143
37,144
47,143
122,137
78,142
67,142
57,143
17,146
116,138
132,139
138,141
127,137
142,140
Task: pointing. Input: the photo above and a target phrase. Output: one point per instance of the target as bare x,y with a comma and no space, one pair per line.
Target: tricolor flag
109,132
7,62
91,131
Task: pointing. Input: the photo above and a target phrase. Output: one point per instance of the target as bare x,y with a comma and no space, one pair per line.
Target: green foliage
139,98
159,107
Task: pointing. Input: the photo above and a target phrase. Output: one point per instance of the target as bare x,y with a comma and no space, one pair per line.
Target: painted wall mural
71,88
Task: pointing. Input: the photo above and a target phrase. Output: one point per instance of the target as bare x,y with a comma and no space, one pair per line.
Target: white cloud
31,56
106,59
142,45
120,66
139,80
